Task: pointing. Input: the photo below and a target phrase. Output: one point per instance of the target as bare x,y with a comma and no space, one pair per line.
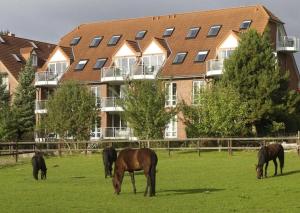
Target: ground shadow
290,172
187,191
78,177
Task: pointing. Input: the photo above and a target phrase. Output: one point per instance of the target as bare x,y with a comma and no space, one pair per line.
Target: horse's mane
262,155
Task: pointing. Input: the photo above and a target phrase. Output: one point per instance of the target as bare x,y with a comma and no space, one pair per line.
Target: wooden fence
196,144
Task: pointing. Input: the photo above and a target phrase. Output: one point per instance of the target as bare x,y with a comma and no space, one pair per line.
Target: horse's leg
148,185
275,164
133,181
266,167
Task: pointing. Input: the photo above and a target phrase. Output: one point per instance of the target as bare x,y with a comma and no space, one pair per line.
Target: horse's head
259,171
117,183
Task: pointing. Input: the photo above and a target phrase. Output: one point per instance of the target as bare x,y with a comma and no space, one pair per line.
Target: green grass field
213,182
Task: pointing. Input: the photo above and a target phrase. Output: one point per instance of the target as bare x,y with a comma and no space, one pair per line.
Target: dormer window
214,30
16,57
81,64
193,32
96,41
33,45
100,63
75,41
245,24
114,40
179,58
168,32
201,56
140,35
34,60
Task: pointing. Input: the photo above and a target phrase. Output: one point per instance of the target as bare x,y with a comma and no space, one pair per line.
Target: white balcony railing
288,43
40,107
116,133
214,67
110,104
144,72
114,73
47,78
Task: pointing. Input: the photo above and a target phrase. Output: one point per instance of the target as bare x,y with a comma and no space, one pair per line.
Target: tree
254,72
219,112
7,124
144,108
71,111
23,103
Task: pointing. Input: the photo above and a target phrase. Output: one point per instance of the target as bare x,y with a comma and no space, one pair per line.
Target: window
245,24
5,81
34,59
168,32
75,41
58,67
81,64
96,93
96,130
214,30
193,32
179,58
140,35
2,40
201,56
171,128
124,64
100,63
152,63
16,57
171,94
198,88
33,44
114,40
96,41
225,53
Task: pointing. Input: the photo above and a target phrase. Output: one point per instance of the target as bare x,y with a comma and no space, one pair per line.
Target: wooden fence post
17,152
230,147
169,148
86,148
298,144
59,148
198,143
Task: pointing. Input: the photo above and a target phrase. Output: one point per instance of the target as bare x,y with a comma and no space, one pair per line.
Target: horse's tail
152,173
281,156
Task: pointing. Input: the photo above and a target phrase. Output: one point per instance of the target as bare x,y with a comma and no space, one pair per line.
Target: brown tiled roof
22,46
230,19
134,45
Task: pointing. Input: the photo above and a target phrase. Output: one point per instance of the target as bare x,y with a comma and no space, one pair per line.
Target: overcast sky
49,20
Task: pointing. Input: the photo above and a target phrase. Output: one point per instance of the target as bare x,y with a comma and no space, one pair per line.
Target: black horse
38,163
109,157
267,153
134,160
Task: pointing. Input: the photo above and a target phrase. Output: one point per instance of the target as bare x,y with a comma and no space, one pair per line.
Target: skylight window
179,58
141,34
168,32
2,40
75,41
193,32
245,24
96,41
100,63
16,57
81,64
114,40
33,44
201,56
214,30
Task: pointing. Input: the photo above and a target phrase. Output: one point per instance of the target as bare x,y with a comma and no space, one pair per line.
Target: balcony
109,74
109,104
144,72
47,78
288,44
117,133
40,107
214,67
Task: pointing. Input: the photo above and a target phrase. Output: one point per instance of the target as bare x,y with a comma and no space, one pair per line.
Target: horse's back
275,149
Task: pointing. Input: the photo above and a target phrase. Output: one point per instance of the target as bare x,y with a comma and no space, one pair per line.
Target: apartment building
15,52
186,50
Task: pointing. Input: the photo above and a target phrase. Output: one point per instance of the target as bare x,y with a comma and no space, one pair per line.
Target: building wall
13,83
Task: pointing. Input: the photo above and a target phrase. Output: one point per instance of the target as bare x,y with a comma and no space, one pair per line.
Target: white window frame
171,96
34,59
226,50
5,81
128,67
171,130
96,130
198,87
56,64
96,92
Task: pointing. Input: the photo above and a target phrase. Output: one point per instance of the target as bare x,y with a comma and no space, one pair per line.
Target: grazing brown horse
267,153
134,160
109,156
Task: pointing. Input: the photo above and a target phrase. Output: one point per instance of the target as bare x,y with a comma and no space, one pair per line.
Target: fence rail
196,144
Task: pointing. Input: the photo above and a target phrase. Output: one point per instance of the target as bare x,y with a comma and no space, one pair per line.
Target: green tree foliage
7,124
71,111
254,72
219,112
144,109
23,103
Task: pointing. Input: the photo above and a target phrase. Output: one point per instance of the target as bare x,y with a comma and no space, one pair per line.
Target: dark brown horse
134,160
267,153
109,156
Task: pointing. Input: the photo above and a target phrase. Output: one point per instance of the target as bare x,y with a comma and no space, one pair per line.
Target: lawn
213,182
